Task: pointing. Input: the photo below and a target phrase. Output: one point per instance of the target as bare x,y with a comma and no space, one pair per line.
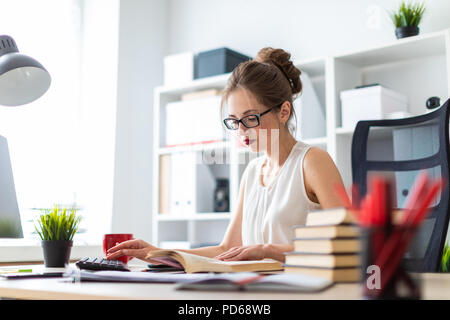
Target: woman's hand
133,248
253,252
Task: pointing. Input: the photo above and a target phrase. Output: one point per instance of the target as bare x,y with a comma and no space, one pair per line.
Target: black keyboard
101,264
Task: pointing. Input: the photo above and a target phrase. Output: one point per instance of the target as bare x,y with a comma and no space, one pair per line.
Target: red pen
428,199
401,238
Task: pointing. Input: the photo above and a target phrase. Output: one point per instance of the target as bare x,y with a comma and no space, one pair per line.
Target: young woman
278,189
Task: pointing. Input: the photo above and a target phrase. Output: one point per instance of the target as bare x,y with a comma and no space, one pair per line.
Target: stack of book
327,246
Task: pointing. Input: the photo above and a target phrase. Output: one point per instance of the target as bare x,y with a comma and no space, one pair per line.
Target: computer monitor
10,225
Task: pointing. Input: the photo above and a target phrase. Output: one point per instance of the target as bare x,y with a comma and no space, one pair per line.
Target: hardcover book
323,260
337,274
326,245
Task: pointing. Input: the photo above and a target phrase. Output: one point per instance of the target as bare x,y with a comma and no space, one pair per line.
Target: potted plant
445,262
56,228
407,19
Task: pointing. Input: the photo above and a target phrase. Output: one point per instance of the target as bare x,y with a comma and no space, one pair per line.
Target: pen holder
383,271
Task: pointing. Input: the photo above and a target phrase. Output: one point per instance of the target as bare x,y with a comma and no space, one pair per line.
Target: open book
193,263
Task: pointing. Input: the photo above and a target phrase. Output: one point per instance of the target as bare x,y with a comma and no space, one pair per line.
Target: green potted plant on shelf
56,227
445,262
407,19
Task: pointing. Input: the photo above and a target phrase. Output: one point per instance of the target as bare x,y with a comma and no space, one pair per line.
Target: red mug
112,239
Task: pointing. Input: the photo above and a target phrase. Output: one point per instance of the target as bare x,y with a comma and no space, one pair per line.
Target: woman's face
242,103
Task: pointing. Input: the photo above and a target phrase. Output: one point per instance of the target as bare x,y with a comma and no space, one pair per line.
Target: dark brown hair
271,77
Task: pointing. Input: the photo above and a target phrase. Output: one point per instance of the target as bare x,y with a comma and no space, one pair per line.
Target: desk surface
435,286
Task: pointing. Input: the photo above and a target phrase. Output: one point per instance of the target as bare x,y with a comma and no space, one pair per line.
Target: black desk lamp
22,79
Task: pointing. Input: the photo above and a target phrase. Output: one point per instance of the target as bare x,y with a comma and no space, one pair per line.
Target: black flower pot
403,32
56,253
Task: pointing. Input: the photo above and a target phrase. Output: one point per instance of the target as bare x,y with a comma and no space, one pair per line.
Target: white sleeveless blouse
270,212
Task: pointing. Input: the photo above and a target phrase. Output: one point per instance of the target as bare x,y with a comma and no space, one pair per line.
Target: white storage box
371,103
193,122
178,68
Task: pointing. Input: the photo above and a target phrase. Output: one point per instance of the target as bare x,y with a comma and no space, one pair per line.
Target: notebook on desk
249,281
256,282
134,276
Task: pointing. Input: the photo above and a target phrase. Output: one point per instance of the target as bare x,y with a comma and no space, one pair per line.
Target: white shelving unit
418,67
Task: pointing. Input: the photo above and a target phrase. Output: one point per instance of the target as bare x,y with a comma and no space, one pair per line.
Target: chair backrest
400,149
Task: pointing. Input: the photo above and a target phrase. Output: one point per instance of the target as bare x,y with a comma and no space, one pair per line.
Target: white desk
435,286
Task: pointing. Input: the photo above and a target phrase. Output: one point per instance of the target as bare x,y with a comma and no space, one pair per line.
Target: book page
195,263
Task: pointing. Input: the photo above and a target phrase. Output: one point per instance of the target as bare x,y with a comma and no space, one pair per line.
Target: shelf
195,147
314,67
195,85
427,45
196,216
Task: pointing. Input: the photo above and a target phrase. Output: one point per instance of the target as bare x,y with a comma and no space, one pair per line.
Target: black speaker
433,102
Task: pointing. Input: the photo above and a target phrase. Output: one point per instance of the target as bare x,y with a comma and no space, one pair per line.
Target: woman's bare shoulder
317,157
319,166
321,177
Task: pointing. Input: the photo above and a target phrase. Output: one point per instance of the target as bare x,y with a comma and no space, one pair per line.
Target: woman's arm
257,252
276,251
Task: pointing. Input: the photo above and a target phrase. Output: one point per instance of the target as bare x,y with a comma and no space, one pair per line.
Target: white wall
142,44
306,28
97,112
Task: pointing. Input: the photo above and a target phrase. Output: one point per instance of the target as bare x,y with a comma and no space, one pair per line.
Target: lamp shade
22,78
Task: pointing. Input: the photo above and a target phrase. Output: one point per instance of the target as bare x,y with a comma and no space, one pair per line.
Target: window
62,145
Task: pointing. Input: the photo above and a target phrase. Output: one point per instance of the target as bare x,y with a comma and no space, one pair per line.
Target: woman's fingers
114,255
230,253
223,254
122,245
255,252
133,248
129,244
242,255
136,253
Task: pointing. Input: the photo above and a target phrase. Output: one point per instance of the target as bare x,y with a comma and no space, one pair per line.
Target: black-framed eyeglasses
249,121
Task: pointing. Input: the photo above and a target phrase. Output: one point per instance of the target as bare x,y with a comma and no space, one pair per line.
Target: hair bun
282,60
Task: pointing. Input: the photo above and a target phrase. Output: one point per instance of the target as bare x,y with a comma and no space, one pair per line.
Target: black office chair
400,149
